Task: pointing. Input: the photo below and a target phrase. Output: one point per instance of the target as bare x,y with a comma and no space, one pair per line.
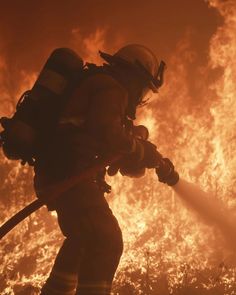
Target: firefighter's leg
92,256
63,277
102,254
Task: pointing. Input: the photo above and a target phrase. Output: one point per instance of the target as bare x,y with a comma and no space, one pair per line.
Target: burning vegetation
170,248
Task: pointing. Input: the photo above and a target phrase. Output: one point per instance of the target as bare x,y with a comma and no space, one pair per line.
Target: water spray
212,211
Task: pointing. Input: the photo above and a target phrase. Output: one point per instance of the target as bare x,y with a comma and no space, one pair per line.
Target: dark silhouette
78,120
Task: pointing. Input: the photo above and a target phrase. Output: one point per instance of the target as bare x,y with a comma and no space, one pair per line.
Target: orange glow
168,248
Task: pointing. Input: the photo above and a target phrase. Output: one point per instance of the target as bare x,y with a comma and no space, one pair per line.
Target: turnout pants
90,254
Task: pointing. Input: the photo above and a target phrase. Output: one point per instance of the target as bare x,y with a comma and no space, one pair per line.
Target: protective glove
166,172
127,167
134,164
131,168
147,154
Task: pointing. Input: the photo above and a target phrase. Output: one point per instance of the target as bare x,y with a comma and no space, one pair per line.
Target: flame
168,249
90,44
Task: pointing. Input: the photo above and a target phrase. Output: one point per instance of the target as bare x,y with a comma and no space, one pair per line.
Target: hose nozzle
166,172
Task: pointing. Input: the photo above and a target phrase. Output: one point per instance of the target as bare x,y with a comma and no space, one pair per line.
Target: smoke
211,210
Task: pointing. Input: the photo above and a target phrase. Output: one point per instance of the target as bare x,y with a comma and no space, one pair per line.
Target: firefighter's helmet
142,60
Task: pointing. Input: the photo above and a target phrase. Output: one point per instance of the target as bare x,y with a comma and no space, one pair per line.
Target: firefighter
96,123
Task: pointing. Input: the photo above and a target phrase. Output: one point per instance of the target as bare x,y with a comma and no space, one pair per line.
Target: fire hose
166,174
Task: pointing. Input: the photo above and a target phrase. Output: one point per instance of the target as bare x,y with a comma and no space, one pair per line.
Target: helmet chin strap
131,111
135,100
